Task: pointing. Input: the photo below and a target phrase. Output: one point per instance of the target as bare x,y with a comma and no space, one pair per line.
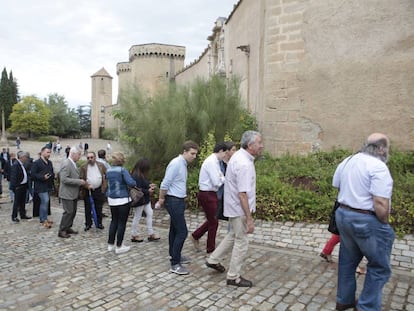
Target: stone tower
101,100
150,67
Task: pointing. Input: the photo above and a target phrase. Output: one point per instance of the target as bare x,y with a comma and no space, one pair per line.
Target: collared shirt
103,162
211,177
93,176
175,179
240,177
24,181
360,178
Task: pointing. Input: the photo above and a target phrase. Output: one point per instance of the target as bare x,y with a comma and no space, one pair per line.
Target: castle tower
101,100
150,67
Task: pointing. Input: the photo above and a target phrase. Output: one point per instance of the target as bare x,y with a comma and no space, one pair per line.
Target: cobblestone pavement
39,271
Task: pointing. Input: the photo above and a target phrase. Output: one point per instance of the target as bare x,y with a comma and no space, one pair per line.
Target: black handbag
332,221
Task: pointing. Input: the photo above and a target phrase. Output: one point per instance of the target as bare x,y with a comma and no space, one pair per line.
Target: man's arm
244,202
382,208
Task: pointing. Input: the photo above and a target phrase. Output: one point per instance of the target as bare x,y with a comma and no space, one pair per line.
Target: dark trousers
178,227
19,203
117,227
69,212
208,201
98,200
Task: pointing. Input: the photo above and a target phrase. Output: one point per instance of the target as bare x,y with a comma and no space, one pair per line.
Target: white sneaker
111,247
122,249
179,269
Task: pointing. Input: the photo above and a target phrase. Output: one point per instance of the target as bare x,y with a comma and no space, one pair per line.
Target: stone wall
323,74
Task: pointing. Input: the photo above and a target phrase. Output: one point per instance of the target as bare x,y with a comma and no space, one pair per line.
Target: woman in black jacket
139,173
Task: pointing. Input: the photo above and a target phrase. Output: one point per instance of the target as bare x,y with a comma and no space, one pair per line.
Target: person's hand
82,182
250,225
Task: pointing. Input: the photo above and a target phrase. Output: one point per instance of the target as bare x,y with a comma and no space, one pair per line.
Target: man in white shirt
94,173
239,204
365,189
210,179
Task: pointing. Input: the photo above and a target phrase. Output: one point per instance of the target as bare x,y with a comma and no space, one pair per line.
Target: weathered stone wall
344,70
323,74
200,69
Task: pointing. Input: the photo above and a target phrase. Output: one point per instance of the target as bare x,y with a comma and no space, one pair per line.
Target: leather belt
362,211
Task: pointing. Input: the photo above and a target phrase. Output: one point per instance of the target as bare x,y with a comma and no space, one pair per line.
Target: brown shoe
216,266
240,282
63,234
137,239
47,224
153,237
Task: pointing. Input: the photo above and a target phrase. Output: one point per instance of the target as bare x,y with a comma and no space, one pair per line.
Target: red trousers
329,246
208,201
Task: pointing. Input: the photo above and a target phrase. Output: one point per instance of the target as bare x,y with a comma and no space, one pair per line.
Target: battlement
123,67
156,50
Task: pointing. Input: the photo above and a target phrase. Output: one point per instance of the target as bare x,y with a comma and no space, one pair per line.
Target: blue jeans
363,235
178,227
117,227
44,205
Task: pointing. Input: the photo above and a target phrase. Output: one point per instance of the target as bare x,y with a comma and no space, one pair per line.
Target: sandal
137,239
153,237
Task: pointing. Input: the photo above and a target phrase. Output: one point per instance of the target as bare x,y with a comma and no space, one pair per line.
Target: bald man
365,188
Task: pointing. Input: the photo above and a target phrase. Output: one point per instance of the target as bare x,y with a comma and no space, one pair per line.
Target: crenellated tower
151,66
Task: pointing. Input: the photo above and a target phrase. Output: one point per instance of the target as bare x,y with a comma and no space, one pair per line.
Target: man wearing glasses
94,173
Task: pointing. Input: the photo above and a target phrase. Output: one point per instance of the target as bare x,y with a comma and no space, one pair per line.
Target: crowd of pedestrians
227,190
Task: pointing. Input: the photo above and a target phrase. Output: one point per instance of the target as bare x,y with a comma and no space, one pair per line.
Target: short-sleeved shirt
361,177
240,177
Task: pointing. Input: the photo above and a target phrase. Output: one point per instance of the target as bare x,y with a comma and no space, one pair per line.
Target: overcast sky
54,46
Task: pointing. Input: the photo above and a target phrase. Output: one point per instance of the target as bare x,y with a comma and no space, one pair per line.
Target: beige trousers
237,240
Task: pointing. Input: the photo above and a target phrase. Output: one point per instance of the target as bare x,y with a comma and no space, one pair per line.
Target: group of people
227,189
226,176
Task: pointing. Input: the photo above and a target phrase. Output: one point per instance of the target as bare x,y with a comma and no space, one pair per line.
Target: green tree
156,126
63,121
8,97
84,113
31,116
15,98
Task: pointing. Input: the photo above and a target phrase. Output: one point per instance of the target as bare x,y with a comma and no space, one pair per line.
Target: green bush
299,188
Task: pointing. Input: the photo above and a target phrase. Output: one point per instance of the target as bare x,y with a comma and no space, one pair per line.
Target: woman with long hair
140,173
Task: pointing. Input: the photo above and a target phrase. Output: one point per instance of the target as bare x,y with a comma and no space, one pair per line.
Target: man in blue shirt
173,191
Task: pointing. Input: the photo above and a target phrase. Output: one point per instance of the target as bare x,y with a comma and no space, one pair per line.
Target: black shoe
216,266
71,231
87,228
63,234
100,226
26,217
240,282
16,220
342,307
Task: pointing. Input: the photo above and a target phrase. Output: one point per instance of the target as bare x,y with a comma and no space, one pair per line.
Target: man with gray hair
239,204
69,191
18,184
365,188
